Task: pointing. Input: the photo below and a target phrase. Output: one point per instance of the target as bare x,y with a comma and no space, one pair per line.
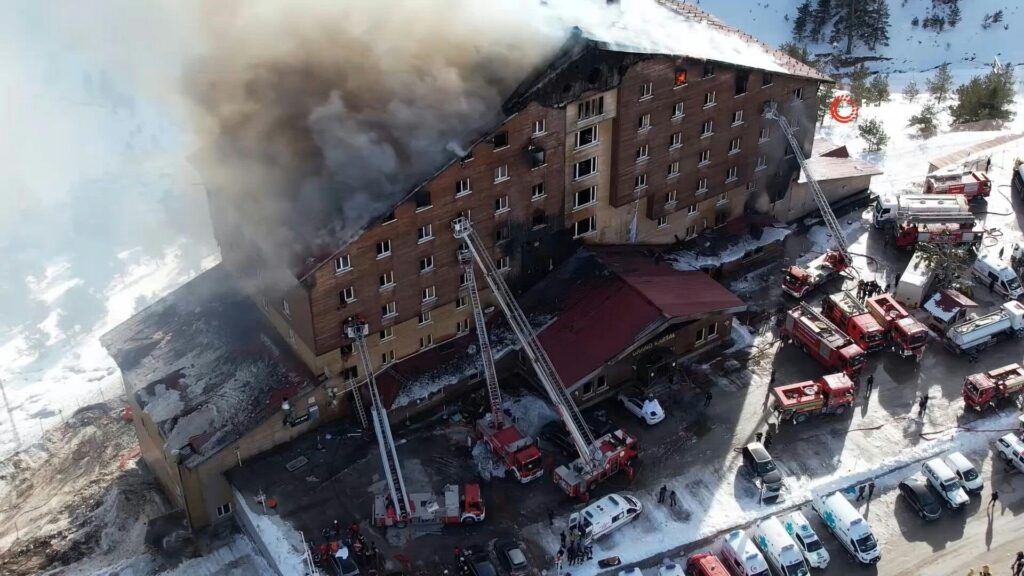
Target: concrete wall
800,200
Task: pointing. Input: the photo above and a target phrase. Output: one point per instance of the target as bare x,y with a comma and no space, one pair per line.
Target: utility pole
7,406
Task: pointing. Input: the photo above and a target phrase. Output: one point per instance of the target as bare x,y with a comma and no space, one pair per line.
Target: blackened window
742,77
500,140
423,199
709,69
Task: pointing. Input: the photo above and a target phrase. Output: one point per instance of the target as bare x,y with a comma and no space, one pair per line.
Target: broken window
389,217
584,197
742,78
709,69
767,78
767,105
423,199
539,219
591,108
798,93
537,157
586,136
584,226
588,388
502,233
352,372
503,263
680,77
500,140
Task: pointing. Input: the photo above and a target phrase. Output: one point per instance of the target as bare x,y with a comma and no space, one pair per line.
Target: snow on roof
830,168
690,260
203,364
957,158
945,304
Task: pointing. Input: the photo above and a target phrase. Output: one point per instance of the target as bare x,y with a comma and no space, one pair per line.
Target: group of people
337,537
868,288
574,550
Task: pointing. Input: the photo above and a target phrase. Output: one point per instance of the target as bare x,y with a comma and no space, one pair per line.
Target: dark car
915,491
555,434
759,463
512,557
479,562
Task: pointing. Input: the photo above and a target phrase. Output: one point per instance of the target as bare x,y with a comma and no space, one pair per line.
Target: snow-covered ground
912,52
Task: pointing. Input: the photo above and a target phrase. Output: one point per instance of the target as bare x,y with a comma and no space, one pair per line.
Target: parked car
647,409
512,557
1011,450
479,562
761,466
669,568
915,491
965,472
945,482
631,572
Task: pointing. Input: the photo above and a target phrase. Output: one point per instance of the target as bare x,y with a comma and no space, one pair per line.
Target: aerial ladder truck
457,504
517,452
800,280
598,459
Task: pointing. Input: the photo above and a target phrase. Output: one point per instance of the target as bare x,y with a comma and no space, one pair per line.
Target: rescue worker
868,385
871,489
661,494
672,499
707,398
860,492
922,405
767,439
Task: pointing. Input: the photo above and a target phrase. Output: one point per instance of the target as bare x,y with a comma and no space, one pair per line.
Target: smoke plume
319,113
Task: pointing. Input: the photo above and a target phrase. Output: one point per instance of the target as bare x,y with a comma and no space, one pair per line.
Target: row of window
388,333
742,82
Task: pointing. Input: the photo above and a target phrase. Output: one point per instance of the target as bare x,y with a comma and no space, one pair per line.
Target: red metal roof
608,314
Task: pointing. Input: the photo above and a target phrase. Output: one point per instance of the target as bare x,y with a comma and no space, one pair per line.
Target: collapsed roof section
204,364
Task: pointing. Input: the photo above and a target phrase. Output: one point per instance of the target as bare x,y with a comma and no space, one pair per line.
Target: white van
990,270
741,557
965,472
605,515
848,526
779,548
1011,449
806,539
945,482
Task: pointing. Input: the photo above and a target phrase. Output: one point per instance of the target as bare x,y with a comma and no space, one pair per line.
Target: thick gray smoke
320,113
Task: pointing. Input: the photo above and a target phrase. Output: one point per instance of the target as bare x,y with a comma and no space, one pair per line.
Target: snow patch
689,260
530,414
280,541
163,404
487,465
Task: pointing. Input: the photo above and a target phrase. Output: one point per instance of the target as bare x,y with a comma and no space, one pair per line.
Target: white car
647,409
631,572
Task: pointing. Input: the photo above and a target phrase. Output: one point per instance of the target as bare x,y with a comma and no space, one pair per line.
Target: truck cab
986,389
605,515
853,318
990,270
705,564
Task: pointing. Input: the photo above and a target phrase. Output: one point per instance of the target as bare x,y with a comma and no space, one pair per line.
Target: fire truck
971,184
920,229
846,312
891,209
822,340
799,280
456,505
907,336
976,334
985,389
831,394
517,452
598,458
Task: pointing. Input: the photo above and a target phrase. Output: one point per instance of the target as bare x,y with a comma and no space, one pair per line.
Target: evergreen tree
952,263
988,97
875,29
797,51
826,92
821,16
877,89
859,83
954,16
804,17
941,84
873,134
925,121
910,92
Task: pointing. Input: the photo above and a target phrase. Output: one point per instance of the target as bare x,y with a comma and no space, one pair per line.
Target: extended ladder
357,330
486,355
567,410
819,196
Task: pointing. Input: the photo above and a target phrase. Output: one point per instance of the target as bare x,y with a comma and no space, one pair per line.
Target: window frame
592,194
386,280
425,233
592,223
429,267
343,264
383,248
501,173
646,90
710,99
463,187
501,204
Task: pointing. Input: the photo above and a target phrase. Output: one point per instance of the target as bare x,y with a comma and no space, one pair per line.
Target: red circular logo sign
843,109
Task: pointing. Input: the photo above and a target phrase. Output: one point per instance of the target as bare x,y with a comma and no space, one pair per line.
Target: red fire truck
909,233
907,336
800,280
831,394
618,452
985,389
456,505
854,319
822,340
970,184
520,454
